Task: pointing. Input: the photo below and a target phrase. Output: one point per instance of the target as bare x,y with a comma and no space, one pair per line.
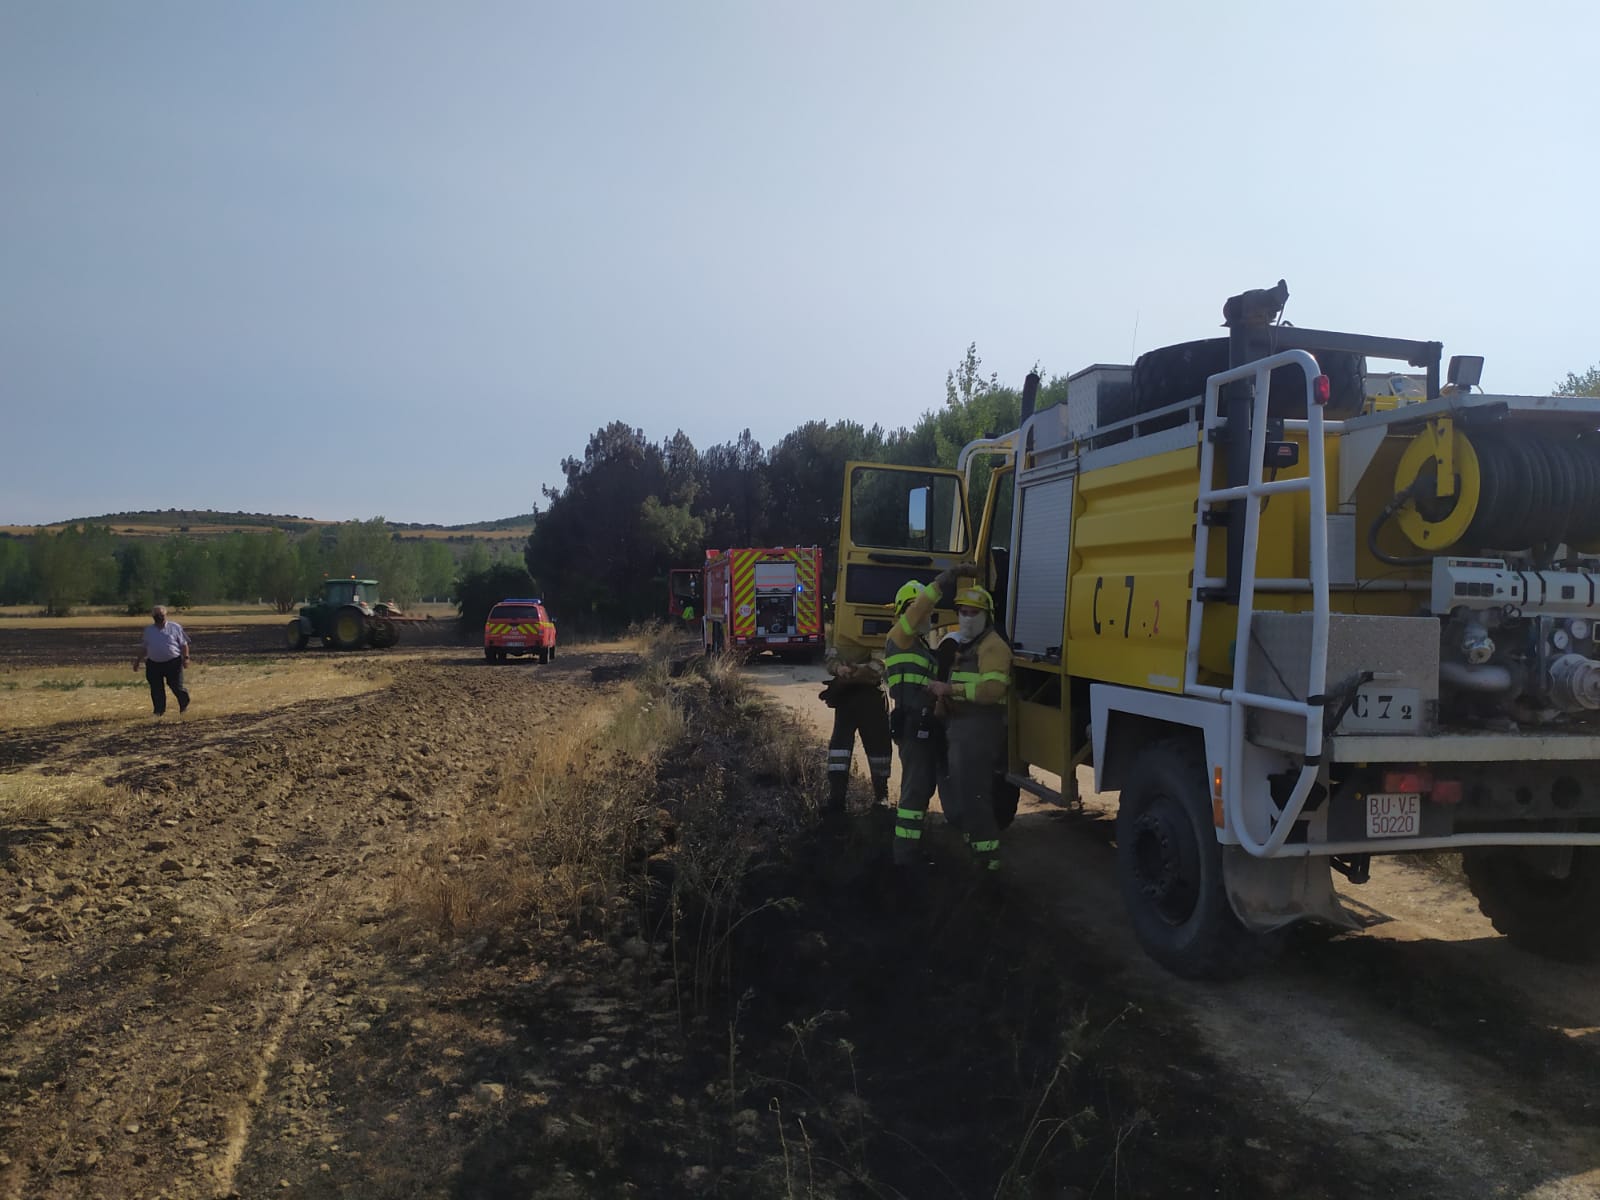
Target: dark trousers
162,675
862,710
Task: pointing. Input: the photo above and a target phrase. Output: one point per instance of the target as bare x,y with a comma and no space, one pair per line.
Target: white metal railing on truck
1251,493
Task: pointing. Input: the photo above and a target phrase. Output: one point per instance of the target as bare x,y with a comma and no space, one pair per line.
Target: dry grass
37,696
28,797
552,844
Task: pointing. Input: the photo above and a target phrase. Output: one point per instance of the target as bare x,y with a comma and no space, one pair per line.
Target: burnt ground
218,988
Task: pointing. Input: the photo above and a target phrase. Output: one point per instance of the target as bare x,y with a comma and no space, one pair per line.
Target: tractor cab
336,592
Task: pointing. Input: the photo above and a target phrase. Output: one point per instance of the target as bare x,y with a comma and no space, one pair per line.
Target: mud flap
1271,893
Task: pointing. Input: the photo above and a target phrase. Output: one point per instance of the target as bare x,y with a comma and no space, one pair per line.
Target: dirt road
1425,1039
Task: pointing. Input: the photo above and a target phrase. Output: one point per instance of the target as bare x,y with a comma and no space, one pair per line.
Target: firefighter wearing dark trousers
855,693
975,697
909,669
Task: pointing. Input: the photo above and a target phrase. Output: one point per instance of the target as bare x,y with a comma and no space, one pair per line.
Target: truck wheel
544,654
349,628
296,636
488,653
1555,917
1170,867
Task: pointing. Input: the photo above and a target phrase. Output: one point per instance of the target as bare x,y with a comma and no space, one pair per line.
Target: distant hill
210,523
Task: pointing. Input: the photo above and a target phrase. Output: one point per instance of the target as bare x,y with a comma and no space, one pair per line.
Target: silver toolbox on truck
1382,671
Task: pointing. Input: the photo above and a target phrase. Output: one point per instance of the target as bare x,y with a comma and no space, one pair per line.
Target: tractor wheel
1170,865
349,628
296,636
385,633
1554,917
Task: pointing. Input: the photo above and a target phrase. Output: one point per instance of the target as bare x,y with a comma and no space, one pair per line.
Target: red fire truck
764,598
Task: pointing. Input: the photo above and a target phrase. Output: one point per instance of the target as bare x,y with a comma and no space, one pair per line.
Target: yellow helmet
975,597
908,593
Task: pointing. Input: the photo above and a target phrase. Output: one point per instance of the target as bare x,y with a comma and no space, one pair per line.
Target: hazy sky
357,259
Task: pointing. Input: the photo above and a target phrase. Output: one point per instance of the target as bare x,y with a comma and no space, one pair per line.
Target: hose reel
1503,487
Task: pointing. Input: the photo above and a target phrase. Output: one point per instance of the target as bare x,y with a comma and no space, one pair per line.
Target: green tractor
348,617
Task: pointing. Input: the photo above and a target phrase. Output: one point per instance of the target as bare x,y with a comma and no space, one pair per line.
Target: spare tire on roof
1170,374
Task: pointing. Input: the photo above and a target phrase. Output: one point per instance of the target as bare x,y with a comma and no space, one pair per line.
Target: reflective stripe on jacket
908,672
981,676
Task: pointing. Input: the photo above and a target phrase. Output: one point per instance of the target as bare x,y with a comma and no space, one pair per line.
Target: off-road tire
296,635
488,653
1172,373
1555,918
1169,866
385,633
544,654
349,629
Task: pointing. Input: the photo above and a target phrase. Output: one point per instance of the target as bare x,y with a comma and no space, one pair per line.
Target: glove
827,695
947,578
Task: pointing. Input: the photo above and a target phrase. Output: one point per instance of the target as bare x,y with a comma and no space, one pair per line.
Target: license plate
1379,709
1394,814
515,642
782,639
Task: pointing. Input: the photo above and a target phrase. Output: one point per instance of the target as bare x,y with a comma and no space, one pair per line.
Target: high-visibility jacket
908,670
981,676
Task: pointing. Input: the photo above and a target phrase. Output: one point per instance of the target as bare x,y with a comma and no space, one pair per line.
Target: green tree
73,566
591,548
733,497
17,584
805,482
475,561
192,568
479,591
1586,384
670,531
139,566
436,570
278,567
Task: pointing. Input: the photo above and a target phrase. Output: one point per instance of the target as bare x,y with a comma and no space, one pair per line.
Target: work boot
838,786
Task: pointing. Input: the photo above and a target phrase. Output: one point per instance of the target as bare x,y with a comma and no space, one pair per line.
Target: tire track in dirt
240,1122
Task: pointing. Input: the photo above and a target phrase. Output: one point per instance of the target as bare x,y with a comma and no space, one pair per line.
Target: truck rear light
1217,818
1447,791
1322,389
1410,781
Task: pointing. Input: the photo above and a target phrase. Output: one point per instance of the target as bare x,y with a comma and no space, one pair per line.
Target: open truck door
895,524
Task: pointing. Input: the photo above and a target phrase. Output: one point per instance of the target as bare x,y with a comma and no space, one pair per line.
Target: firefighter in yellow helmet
975,697
909,669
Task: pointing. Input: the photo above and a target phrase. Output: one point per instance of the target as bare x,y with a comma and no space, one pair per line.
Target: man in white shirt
165,653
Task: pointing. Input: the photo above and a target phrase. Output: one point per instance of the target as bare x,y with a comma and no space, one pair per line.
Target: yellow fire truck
1298,612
